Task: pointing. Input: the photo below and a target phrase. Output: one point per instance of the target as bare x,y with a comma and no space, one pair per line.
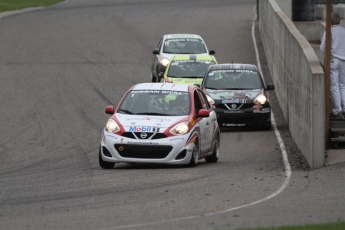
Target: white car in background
170,45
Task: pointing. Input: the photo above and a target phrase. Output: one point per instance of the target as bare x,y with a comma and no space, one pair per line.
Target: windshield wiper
232,89
125,111
210,87
147,113
192,77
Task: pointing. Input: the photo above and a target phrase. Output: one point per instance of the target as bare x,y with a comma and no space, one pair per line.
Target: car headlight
164,61
181,128
210,100
261,99
112,126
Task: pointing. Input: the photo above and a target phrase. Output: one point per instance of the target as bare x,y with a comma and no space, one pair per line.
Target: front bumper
170,150
248,118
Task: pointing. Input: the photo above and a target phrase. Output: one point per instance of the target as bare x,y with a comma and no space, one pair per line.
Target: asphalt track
61,66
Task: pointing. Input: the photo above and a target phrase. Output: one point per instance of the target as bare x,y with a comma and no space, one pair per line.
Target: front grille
143,151
238,106
137,135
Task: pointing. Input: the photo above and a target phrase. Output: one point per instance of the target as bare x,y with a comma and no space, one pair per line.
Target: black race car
239,94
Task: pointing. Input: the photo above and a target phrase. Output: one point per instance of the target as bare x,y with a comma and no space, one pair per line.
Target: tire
195,154
102,163
215,155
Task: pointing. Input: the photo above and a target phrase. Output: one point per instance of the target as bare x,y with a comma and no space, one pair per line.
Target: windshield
184,46
188,68
156,102
236,79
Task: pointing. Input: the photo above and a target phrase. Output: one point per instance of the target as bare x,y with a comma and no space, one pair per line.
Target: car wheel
104,164
215,155
153,78
195,154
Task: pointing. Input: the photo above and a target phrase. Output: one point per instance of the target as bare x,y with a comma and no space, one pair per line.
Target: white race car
171,44
160,123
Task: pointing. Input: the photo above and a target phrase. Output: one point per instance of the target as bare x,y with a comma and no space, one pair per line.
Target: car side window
197,102
159,46
204,101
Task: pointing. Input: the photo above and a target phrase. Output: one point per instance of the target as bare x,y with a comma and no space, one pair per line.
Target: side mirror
203,113
155,52
110,110
270,87
211,52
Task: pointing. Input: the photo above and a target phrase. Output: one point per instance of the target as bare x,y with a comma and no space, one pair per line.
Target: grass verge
331,226
8,5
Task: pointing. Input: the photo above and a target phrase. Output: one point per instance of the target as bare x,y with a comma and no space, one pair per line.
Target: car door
206,124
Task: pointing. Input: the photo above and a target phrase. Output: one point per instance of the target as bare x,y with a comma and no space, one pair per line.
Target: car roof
163,86
204,57
233,66
172,36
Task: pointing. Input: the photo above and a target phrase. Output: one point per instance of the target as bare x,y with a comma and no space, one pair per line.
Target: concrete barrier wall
286,7
299,79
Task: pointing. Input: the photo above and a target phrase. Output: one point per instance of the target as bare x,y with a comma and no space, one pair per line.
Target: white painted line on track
287,167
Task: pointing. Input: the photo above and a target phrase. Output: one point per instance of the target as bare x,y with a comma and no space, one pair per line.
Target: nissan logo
234,106
143,135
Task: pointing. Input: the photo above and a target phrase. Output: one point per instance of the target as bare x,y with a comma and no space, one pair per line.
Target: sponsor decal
157,119
156,92
176,139
234,71
140,129
142,143
234,125
205,133
145,91
187,80
192,121
178,38
233,111
229,101
261,111
111,136
177,62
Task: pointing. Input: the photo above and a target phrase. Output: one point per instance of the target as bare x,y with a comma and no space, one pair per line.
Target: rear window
190,68
184,46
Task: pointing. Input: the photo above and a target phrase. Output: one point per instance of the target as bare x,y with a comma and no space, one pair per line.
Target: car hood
147,123
170,56
167,55
248,95
186,80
